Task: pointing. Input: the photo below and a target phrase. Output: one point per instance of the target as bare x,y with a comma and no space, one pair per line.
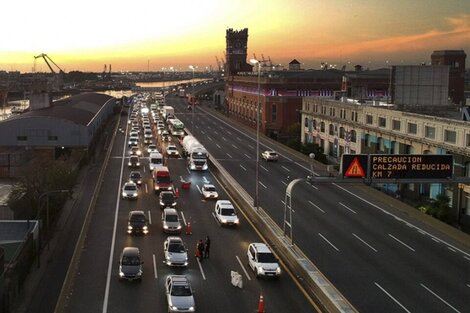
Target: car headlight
138,164
191,309
193,167
121,274
204,167
129,163
129,227
170,188
179,227
161,203
134,194
174,307
139,182
278,270
173,204
145,228
260,270
157,187
165,226
237,221
123,194
224,220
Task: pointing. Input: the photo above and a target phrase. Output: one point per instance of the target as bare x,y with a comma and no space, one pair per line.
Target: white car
262,261
209,192
171,150
129,190
270,155
175,252
179,294
152,148
225,213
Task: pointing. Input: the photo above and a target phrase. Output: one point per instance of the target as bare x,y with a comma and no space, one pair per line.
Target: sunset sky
84,35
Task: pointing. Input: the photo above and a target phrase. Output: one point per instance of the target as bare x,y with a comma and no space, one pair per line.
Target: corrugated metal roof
79,109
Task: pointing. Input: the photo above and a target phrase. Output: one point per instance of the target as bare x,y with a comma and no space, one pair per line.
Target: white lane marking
239,139
154,266
402,242
209,138
251,147
345,206
146,188
282,201
247,156
234,146
243,268
229,155
218,146
184,220
204,178
466,257
468,285
284,183
145,168
328,242
288,159
434,239
264,168
440,298
363,241
202,132
314,187
215,217
391,297
200,268
285,168
197,186
229,132
400,219
223,138
216,132
150,217
196,126
451,249
263,185
242,167
316,206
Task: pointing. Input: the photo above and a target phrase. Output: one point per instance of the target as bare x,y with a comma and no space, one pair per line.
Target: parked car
137,223
179,294
130,264
135,177
225,213
129,190
270,155
167,199
209,192
170,221
175,252
262,261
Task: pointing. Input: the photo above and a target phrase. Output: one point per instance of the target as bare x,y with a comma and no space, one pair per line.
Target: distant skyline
139,35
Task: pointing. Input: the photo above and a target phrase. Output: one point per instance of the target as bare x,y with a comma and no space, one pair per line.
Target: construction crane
47,59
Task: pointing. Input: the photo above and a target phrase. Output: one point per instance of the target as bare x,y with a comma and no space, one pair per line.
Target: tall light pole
193,99
256,204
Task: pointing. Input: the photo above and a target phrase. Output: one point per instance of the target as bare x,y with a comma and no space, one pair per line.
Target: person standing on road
207,247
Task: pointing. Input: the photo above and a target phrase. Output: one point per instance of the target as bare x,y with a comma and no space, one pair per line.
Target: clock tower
236,51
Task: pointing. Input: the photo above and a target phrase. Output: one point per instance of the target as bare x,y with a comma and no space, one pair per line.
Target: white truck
195,152
168,111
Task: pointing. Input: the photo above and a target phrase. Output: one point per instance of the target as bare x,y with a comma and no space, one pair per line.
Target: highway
379,258
97,287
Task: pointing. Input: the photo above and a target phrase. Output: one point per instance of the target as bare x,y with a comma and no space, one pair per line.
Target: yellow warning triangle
355,169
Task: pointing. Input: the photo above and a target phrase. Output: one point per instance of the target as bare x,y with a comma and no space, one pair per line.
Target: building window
381,144
274,113
467,137
306,122
369,119
450,136
314,124
52,138
341,132
22,138
353,136
322,127
382,122
396,125
429,132
412,128
367,140
331,129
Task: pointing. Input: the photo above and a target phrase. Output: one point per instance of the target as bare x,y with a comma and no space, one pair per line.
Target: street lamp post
193,99
47,193
256,202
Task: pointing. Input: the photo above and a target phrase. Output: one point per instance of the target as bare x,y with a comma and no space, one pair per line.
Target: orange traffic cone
188,229
261,304
177,193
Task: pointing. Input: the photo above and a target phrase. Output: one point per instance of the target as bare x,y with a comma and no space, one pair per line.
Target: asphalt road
97,287
380,259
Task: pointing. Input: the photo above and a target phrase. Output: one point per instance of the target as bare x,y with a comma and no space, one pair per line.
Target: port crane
47,59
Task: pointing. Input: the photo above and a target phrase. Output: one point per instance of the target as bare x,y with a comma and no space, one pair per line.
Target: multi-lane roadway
380,259
96,285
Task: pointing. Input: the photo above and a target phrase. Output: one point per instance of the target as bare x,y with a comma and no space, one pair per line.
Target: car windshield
266,258
181,291
172,218
273,153
228,212
163,179
167,197
156,160
210,188
130,260
133,159
130,187
176,248
135,175
140,218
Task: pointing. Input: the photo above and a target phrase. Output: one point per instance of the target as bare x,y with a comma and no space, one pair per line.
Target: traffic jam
154,139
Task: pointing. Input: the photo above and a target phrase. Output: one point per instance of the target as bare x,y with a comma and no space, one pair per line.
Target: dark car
130,264
165,135
167,199
137,223
134,161
136,177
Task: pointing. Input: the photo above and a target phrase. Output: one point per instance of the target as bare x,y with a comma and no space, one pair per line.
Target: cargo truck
195,152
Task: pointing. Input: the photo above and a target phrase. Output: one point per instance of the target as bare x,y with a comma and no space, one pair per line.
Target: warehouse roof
80,109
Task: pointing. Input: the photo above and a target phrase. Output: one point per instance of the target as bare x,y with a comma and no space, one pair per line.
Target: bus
176,127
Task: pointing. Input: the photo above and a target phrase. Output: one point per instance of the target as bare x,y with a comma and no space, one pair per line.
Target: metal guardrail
315,284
